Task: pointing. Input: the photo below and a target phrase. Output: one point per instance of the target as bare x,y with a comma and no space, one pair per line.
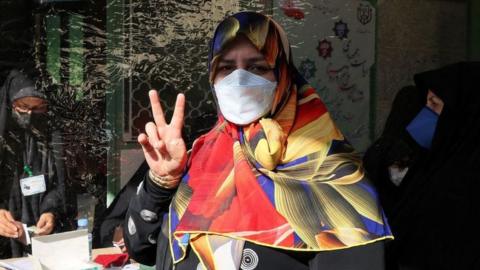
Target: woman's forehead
241,47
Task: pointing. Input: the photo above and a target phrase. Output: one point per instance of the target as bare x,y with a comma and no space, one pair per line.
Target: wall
414,36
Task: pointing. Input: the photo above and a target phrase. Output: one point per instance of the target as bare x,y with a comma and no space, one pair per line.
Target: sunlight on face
242,54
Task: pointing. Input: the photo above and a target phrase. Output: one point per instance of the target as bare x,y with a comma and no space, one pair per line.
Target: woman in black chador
31,165
433,208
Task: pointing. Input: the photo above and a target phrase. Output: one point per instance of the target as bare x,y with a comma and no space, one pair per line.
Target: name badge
33,185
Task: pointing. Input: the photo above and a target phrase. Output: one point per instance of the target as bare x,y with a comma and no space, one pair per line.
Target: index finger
45,227
9,227
7,231
178,113
157,111
9,216
42,230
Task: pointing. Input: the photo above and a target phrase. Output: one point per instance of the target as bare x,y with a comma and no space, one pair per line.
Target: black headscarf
433,222
36,146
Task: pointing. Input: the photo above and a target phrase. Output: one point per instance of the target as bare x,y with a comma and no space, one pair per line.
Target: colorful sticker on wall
341,29
325,49
307,68
291,10
364,13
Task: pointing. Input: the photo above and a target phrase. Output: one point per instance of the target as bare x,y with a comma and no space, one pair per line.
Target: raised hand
163,145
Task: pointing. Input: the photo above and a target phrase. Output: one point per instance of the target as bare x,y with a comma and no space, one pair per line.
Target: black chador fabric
114,215
433,222
395,145
35,146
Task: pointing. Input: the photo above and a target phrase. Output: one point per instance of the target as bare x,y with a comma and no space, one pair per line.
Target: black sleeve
144,220
6,173
114,215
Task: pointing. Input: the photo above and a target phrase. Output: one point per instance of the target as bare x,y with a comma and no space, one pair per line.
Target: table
95,252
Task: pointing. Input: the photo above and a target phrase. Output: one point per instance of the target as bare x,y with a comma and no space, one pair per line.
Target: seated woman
274,184
31,165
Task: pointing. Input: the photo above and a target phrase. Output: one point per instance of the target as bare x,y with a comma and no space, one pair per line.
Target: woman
274,185
395,152
432,219
31,165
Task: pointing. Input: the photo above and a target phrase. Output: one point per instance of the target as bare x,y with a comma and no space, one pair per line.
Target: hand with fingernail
45,224
162,143
9,227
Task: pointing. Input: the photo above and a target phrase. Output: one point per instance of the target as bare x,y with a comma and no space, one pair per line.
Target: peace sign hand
163,145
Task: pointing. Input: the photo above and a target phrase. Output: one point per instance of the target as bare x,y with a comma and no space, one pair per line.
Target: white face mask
244,97
397,174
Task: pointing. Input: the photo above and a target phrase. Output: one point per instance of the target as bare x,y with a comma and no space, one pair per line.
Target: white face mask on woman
244,97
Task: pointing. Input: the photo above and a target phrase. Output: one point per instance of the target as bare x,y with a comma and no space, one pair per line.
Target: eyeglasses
34,109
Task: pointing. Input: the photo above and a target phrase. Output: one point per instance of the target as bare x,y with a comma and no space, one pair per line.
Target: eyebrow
249,60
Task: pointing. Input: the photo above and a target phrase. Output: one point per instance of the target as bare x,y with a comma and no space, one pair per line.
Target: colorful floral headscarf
291,181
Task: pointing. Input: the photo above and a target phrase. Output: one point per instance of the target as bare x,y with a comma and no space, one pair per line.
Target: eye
226,69
259,69
41,109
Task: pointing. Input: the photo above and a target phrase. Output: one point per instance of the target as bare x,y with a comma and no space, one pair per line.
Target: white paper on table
27,234
65,251
28,263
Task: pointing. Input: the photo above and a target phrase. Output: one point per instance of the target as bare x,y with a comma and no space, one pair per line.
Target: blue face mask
422,128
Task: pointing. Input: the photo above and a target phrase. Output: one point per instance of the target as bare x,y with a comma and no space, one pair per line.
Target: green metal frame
114,95
473,29
76,62
373,80
52,24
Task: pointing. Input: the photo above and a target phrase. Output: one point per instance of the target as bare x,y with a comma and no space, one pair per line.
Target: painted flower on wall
324,49
341,29
307,68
